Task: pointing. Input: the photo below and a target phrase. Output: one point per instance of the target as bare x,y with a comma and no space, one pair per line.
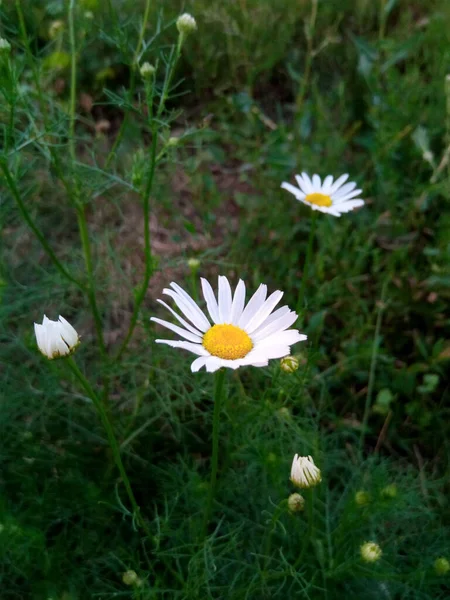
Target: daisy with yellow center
236,334
331,197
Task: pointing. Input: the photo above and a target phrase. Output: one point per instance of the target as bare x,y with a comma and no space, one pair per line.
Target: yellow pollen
319,199
227,341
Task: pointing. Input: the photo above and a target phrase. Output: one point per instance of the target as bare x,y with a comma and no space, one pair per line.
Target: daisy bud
296,503
186,24
173,141
89,15
389,492
289,364
362,498
193,263
56,338
56,27
304,473
147,70
5,46
370,552
131,578
441,566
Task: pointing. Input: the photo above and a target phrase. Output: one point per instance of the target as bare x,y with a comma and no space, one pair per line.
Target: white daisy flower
239,334
56,338
331,197
304,472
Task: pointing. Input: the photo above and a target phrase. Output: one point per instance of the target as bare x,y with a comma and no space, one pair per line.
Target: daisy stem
312,232
218,397
113,443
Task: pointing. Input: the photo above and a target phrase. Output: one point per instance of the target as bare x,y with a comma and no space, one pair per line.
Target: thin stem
73,81
29,220
312,232
111,439
218,398
280,510
309,501
373,365
309,55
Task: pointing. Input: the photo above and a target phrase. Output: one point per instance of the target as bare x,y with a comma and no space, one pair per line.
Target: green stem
312,232
373,365
309,55
111,439
309,501
73,81
29,220
280,510
218,398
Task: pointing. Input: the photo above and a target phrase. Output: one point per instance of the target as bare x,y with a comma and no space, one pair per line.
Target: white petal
349,205
199,363
254,304
345,189
307,185
224,300
349,196
68,333
282,338
187,310
187,335
261,315
210,299
337,184
185,324
59,347
291,188
327,183
317,184
40,336
194,348
193,305
269,353
278,325
238,303
46,321
284,310
213,364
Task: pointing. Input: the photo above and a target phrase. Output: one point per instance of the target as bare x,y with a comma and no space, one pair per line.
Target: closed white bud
304,473
56,338
370,552
147,70
56,27
186,24
296,503
173,141
5,46
289,364
131,578
193,263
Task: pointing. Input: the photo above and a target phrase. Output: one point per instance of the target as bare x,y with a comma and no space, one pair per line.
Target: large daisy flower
239,335
331,197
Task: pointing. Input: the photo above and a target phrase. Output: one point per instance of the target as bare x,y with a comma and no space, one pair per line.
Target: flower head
304,473
441,566
289,364
56,338
147,70
186,24
239,335
332,197
370,552
296,503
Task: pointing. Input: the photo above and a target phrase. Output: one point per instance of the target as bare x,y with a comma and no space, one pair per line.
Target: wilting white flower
370,552
296,503
331,197
56,338
240,335
304,472
186,23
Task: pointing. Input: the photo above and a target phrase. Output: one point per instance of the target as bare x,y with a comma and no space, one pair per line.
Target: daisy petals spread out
333,197
239,335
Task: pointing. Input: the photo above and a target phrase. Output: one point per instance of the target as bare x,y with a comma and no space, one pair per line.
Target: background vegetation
263,90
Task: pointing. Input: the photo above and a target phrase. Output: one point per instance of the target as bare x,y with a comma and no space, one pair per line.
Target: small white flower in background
304,473
240,335
147,70
370,552
296,503
5,46
56,338
186,24
289,364
331,197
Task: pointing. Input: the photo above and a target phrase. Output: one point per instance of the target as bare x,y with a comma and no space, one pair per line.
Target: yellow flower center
319,199
227,341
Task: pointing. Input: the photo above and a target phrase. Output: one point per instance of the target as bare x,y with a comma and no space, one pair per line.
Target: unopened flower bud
56,27
88,14
289,364
193,263
304,473
370,552
131,578
186,24
296,503
441,566
173,141
147,70
362,498
56,338
390,491
5,46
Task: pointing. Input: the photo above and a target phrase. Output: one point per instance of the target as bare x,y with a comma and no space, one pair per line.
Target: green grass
263,90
